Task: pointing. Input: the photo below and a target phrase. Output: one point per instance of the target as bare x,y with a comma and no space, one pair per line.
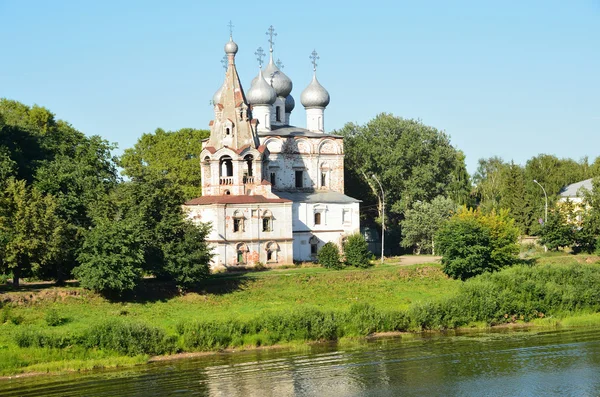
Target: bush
557,232
356,251
329,256
472,243
53,318
128,338
111,258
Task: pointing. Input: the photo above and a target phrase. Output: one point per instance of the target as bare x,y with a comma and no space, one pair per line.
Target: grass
282,306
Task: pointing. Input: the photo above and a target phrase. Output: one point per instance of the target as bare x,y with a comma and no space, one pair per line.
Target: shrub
111,258
472,243
557,232
329,256
53,318
356,251
128,338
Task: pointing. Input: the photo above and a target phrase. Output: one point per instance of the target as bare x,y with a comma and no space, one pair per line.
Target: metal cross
224,62
260,54
230,29
279,64
271,33
313,57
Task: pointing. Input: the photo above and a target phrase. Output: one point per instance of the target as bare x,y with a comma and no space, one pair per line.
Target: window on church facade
323,179
346,216
267,225
237,225
240,257
278,113
317,218
273,179
299,179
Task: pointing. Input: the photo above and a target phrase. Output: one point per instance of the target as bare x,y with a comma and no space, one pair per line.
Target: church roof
574,189
229,199
318,197
290,130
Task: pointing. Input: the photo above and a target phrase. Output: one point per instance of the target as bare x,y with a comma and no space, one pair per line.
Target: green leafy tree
329,256
112,257
32,235
356,251
587,235
170,154
187,257
423,220
557,232
514,198
413,161
473,242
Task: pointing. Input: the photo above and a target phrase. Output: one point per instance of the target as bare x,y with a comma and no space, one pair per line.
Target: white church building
273,192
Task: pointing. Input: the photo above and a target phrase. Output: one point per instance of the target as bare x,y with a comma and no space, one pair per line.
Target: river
499,363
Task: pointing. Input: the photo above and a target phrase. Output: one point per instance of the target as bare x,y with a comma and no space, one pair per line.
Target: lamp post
382,217
545,208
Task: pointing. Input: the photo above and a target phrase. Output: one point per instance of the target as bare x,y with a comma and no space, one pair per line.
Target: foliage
414,162
53,318
472,243
31,233
187,256
356,251
329,256
170,154
557,232
423,220
112,257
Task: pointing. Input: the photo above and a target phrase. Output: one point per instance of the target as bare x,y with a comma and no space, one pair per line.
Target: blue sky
511,78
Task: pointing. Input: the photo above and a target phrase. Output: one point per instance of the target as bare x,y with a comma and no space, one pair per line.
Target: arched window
272,249
241,253
314,246
317,218
278,113
267,221
226,170
238,222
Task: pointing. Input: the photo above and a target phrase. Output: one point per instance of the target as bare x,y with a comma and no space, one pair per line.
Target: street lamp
382,217
546,207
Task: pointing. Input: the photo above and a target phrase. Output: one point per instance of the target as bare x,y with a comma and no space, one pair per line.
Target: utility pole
382,217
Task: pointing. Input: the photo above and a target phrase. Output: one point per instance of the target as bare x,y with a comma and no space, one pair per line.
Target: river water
499,363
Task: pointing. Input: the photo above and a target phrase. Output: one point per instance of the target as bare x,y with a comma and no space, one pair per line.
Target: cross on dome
313,57
271,33
279,64
260,54
230,25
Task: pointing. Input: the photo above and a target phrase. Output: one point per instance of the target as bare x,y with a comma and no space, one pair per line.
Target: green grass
226,297
283,306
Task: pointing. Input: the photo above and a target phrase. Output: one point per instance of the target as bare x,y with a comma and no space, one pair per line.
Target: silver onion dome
231,47
278,80
315,95
261,93
217,97
290,104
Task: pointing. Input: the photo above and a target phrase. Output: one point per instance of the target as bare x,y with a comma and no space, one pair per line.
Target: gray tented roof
573,190
317,197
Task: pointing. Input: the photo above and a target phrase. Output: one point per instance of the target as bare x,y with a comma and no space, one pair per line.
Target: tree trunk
16,276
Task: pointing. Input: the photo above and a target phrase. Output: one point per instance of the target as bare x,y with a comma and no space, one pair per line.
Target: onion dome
278,80
217,97
231,47
315,95
290,104
261,93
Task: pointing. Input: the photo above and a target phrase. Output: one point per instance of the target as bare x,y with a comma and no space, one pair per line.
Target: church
273,192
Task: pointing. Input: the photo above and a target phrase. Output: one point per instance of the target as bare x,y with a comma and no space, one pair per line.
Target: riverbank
69,329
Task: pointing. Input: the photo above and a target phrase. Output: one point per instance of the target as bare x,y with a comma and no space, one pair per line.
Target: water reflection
522,363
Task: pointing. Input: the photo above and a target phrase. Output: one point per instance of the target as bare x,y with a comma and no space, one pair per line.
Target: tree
558,231
513,196
356,251
412,160
423,220
32,235
588,233
171,154
473,242
112,257
329,256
